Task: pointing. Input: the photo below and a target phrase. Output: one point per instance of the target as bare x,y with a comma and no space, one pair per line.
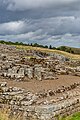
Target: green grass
75,116
69,49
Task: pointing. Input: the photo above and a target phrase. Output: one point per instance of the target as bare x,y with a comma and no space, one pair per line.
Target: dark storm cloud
50,26
53,22
33,4
40,8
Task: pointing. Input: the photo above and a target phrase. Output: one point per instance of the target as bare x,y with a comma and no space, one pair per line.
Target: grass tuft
4,115
75,116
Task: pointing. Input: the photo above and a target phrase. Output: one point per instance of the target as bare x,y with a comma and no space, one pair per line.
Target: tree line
62,48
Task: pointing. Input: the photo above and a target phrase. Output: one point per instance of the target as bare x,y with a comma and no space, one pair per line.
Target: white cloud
51,26
66,39
55,31
55,22
13,27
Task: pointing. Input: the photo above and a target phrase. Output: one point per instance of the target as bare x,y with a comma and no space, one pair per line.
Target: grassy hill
69,49
70,55
73,53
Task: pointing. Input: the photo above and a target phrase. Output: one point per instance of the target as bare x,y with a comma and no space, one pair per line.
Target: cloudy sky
55,22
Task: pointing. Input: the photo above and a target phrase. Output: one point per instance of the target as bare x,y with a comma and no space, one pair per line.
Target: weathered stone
3,84
29,72
37,72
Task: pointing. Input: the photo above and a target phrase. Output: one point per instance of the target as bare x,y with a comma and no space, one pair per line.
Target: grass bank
71,56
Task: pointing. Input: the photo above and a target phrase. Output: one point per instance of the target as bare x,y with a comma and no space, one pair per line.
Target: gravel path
36,86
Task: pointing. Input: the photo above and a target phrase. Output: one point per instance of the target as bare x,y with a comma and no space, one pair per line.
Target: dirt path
36,86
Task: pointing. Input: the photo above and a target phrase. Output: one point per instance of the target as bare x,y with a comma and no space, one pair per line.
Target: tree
50,47
54,48
45,46
63,48
31,44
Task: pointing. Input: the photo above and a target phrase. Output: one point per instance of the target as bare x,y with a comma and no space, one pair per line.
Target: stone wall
32,72
64,101
18,64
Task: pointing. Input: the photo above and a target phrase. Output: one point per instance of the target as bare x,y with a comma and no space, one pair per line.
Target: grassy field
72,56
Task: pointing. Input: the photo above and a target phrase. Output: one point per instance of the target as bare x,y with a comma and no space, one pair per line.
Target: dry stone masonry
18,64
43,105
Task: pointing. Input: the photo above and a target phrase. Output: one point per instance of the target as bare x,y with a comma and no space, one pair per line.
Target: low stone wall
19,63
62,101
20,71
32,72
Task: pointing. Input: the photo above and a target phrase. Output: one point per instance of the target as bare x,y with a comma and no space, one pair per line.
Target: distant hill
69,49
61,48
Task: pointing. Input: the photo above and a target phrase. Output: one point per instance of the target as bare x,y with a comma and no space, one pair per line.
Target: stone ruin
31,72
18,64
43,105
14,66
